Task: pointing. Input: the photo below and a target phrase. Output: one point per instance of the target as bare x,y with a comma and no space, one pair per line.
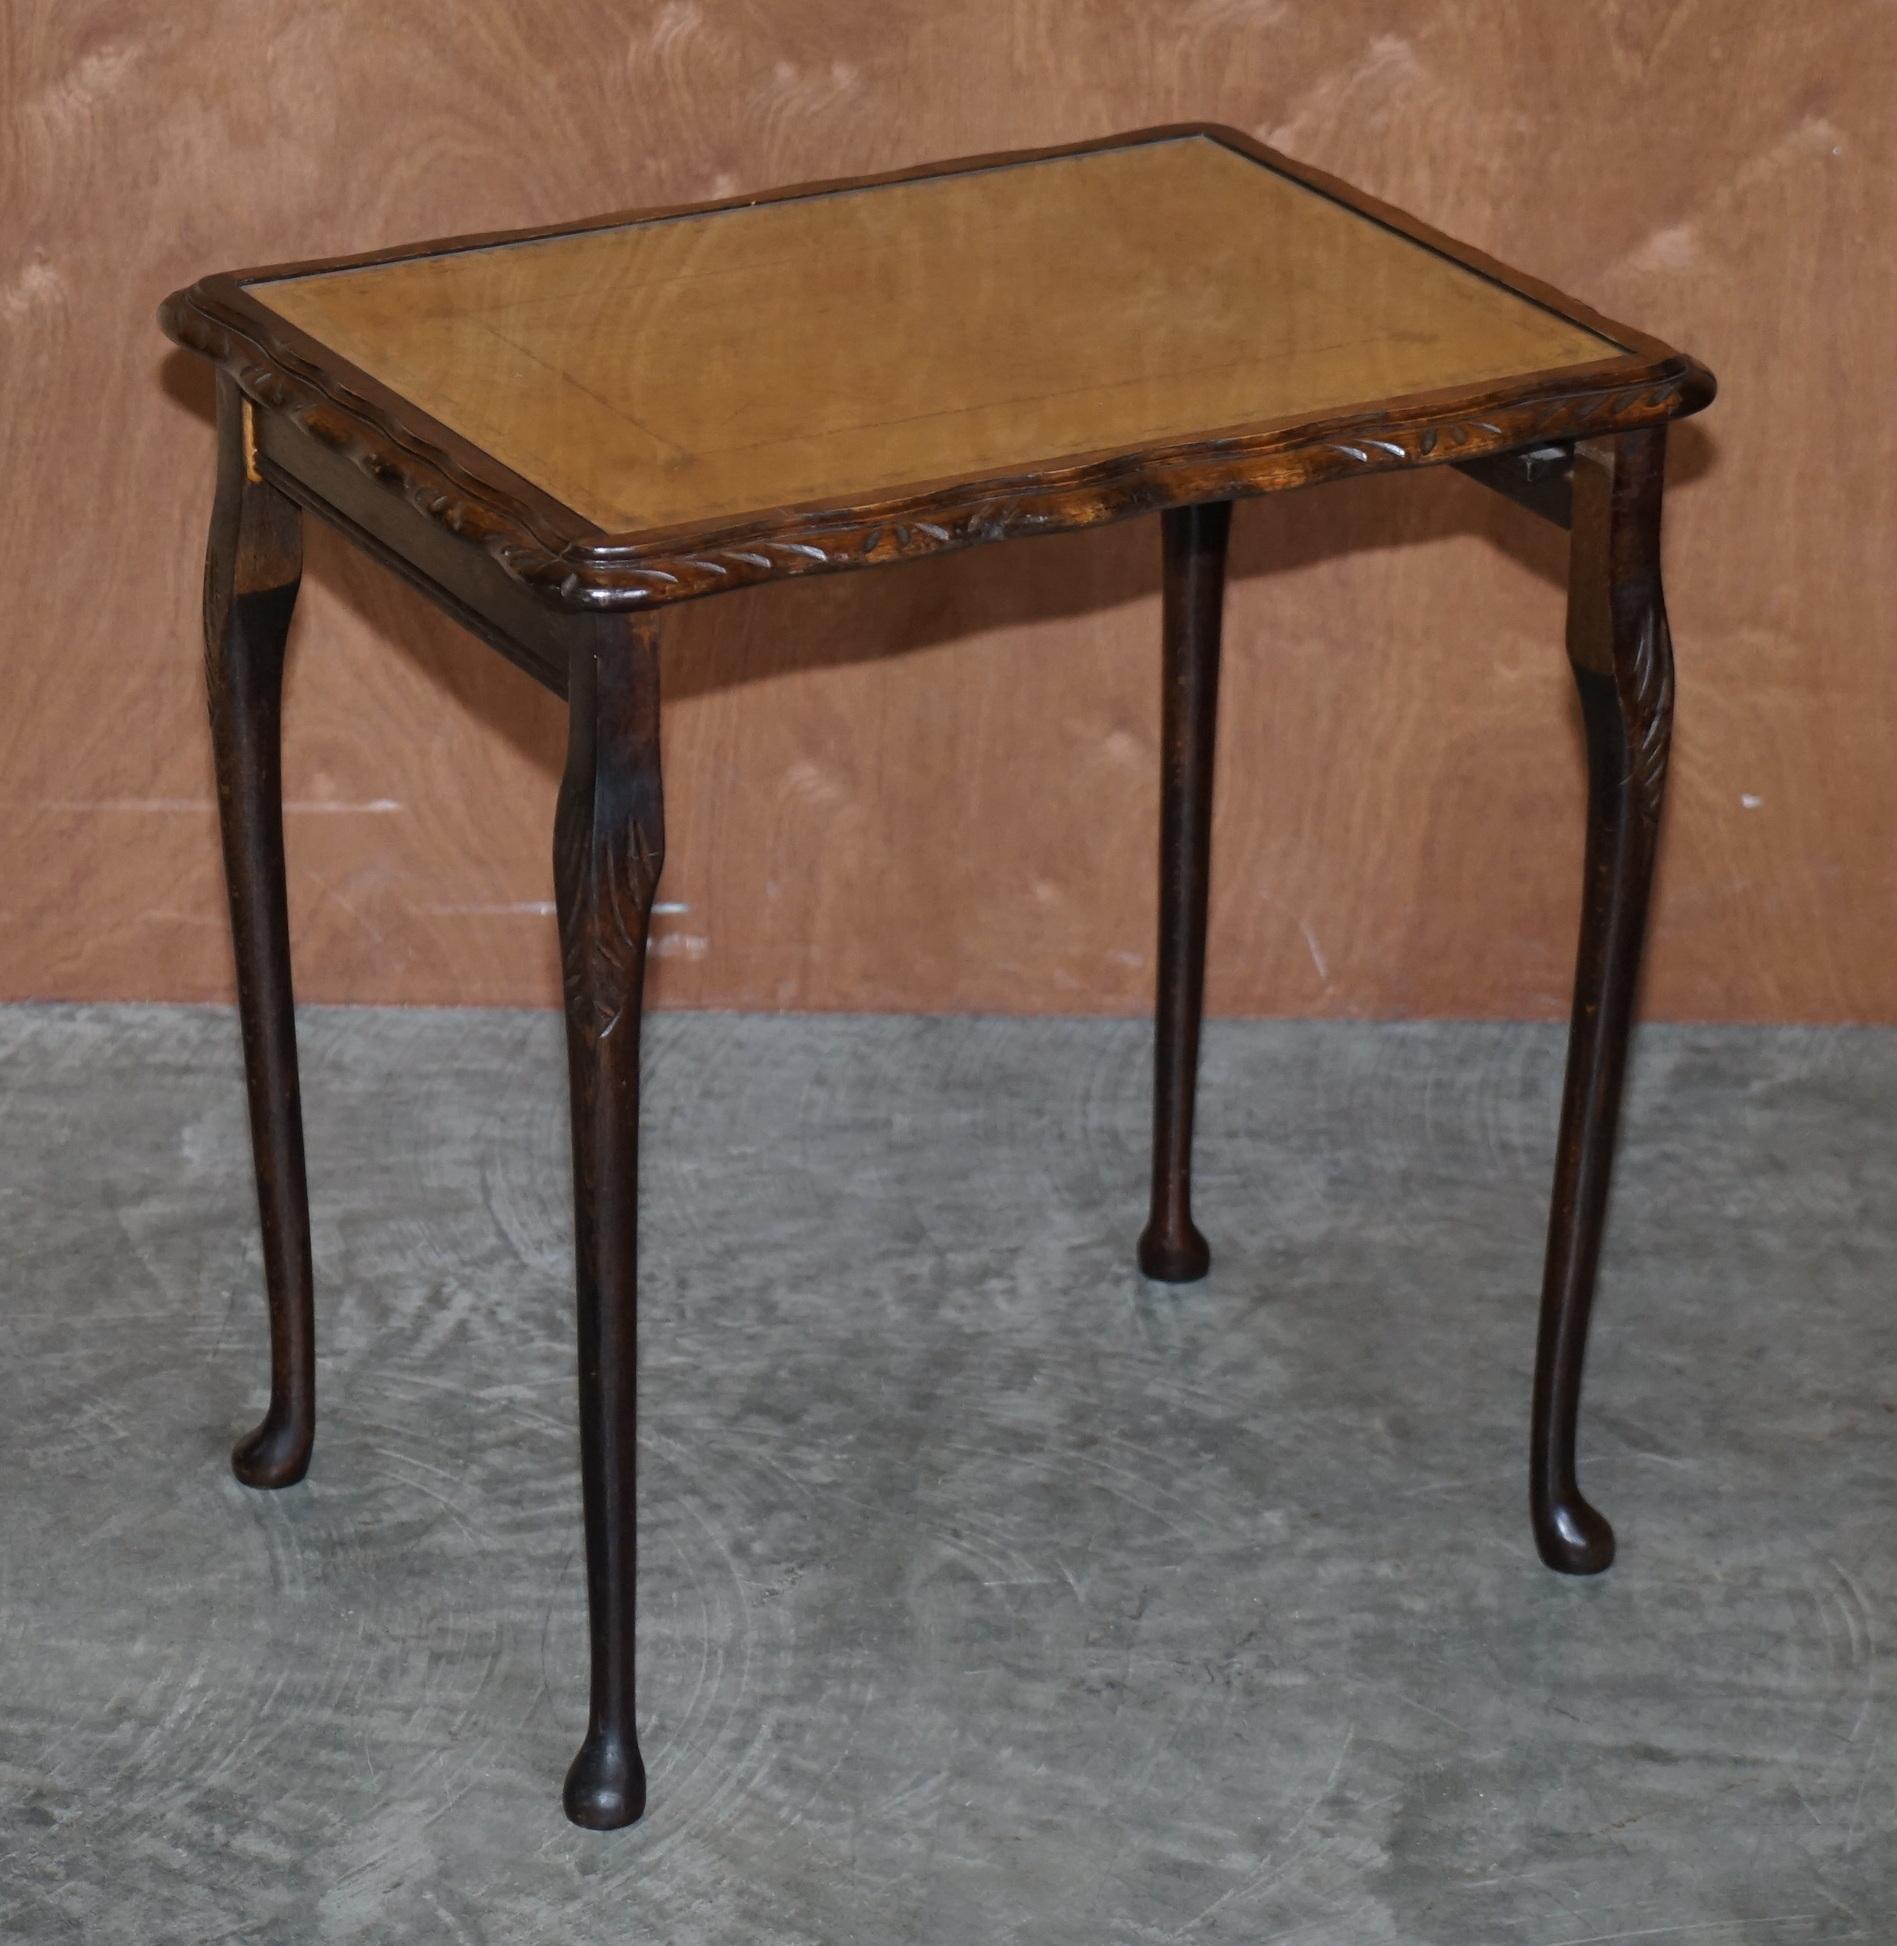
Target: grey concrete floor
990,1593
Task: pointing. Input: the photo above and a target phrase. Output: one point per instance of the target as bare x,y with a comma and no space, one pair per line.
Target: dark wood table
556,434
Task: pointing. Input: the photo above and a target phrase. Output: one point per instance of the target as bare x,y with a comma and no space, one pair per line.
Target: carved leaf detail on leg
1645,681
615,873
608,830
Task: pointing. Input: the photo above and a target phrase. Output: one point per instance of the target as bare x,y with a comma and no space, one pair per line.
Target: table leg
1171,1248
252,567
1622,656
608,845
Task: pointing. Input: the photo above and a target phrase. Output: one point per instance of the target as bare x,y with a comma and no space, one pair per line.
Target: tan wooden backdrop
934,787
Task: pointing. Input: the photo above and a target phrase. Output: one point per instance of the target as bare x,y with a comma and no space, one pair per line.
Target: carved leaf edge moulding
586,571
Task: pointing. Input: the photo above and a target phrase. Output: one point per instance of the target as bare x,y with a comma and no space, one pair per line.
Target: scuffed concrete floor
990,1594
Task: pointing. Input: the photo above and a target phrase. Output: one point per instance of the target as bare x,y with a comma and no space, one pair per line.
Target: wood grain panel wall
934,787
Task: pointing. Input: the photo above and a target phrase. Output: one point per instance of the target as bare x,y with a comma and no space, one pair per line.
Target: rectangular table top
755,369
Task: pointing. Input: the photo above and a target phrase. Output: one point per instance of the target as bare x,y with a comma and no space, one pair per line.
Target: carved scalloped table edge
583,569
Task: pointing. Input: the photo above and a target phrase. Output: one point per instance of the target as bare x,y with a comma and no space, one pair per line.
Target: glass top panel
856,341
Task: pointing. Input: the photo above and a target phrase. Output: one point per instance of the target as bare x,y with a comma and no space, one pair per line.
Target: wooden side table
557,433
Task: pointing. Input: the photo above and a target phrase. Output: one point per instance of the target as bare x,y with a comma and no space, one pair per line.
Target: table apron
457,575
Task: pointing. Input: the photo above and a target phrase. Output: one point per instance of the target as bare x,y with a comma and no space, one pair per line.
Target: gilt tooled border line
582,569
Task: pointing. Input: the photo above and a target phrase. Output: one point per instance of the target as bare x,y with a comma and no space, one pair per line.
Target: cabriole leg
608,843
251,571
1622,656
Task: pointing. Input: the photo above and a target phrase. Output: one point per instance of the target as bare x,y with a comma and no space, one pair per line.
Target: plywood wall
934,787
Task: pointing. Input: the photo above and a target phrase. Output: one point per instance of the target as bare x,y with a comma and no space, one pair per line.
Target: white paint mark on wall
93,82
1311,943
1815,136
170,806
536,908
681,945
811,783
803,94
36,285
369,807
676,21
1315,950
146,805
1747,802
1246,14
361,918
1368,90
1676,247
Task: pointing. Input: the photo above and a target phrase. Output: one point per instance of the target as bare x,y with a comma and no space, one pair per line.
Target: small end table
557,433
